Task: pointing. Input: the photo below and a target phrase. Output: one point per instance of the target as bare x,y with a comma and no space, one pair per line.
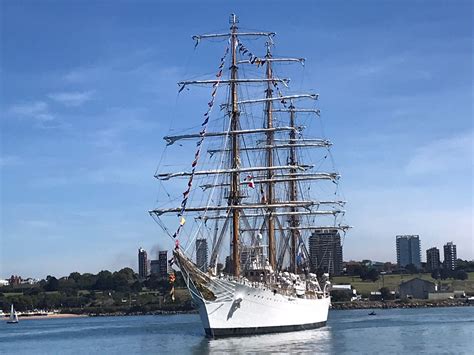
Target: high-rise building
163,264
228,265
450,256
142,263
408,250
154,267
325,251
432,259
201,254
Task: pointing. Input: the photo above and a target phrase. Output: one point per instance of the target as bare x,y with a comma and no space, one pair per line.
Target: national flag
250,182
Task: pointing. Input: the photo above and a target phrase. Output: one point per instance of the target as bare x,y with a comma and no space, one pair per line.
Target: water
403,331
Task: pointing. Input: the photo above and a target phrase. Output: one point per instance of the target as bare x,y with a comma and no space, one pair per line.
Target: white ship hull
247,310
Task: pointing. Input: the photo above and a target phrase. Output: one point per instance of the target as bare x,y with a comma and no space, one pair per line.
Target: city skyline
88,97
143,263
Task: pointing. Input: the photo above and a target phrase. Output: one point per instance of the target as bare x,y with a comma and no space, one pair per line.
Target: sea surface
391,331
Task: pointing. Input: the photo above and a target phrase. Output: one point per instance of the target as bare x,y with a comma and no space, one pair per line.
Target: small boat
13,316
372,313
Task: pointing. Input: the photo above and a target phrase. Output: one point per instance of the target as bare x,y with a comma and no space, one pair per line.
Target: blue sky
88,89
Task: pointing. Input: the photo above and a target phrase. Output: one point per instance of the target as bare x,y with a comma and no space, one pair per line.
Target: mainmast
294,222
270,172
234,197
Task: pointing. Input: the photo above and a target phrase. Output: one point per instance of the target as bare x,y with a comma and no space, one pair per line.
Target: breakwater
400,304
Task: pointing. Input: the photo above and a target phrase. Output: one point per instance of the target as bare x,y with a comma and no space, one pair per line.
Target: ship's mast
234,199
270,172
268,175
294,222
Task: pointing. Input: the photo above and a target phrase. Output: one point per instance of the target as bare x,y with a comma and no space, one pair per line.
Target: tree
75,276
444,274
120,282
86,281
104,281
52,284
435,274
129,274
386,293
460,275
340,296
136,286
411,268
373,275
354,269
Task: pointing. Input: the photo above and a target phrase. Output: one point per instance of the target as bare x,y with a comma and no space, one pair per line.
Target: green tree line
97,293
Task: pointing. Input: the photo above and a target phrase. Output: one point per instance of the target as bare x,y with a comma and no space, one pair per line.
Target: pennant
199,143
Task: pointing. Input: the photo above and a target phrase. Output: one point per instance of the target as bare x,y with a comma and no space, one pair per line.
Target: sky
88,90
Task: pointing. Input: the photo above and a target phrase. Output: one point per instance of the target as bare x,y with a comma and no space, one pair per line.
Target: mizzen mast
294,221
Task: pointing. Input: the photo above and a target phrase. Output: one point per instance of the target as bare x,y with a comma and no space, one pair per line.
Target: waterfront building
142,263
450,256
416,288
325,251
408,250
15,280
201,254
163,264
432,259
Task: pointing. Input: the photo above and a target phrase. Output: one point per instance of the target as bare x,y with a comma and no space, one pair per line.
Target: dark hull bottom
232,332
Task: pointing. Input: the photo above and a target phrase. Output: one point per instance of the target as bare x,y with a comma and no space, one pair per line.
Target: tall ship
254,190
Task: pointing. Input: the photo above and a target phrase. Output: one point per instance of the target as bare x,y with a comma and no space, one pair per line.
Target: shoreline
51,316
337,306
341,306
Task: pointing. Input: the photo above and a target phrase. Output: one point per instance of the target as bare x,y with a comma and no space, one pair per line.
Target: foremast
234,198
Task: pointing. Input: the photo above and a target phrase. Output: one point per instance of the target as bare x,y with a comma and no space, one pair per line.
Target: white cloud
443,155
72,99
38,110
380,65
84,74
